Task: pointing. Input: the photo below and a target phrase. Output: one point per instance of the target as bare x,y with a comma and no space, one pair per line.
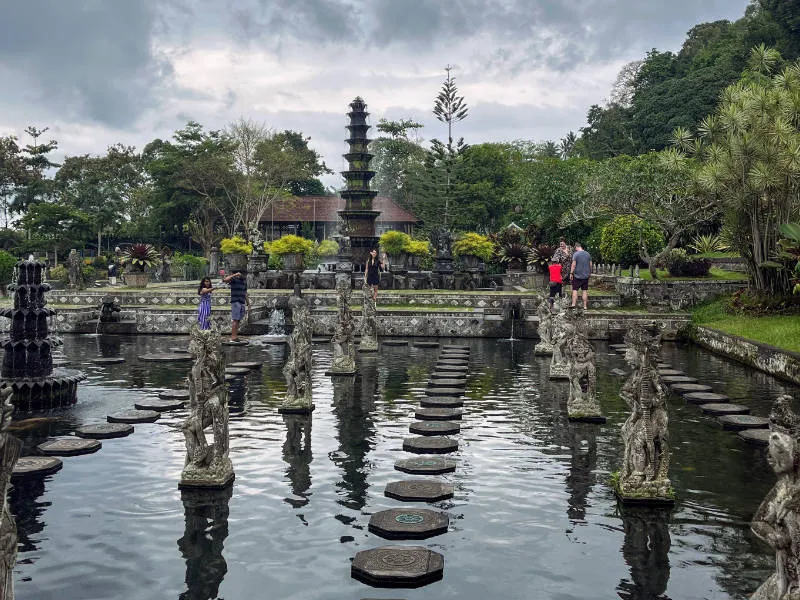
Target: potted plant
417,250
395,244
292,249
137,258
236,249
473,249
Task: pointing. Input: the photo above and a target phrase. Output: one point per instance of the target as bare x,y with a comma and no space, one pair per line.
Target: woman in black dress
372,272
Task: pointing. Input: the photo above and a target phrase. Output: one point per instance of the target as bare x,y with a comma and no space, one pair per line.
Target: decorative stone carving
369,322
9,453
777,520
644,473
344,362
582,403
559,367
545,345
207,466
297,369
75,270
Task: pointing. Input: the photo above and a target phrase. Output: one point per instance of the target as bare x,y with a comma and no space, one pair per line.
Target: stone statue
777,520
297,369
442,241
369,322
644,473
9,453
110,310
256,239
559,368
582,403
75,270
164,273
545,345
207,466
344,361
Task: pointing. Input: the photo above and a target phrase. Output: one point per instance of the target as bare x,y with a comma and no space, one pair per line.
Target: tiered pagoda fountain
28,362
358,216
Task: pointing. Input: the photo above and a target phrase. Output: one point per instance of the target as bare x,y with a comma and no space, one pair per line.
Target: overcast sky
104,71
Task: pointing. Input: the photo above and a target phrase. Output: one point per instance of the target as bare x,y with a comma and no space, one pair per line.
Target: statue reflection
28,511
206,514
237,395
646,551
583,444
297,454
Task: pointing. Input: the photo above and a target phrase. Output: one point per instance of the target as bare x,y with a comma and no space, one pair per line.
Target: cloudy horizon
97,73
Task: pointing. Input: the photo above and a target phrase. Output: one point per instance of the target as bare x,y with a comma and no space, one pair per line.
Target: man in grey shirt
579,272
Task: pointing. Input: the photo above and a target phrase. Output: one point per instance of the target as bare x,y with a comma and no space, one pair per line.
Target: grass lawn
715,274
782,331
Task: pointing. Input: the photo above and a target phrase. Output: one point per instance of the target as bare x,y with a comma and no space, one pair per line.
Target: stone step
134,416
397,566
724,409
29,467
759,437
686,388
444,391
438,414
430,445
740,422
434,428
104,431
73,446
159,405
408,524
442,402
705,398
419,490
426,465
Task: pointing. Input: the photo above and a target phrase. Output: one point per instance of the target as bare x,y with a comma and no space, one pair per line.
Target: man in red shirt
556,282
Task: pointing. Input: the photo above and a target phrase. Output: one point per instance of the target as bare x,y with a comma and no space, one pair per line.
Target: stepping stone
452,360
159,405
394,342
724,409
439,366
174,395
235,343
28,467
445,391
448,375
445,383
108,361
684,388
245,365
408,524
755,436
179,350
705,398
442,402
165,357
419,490
236,371
457,353
425,344
430,445
103,431
434,428
134,416
426,465
668,379
455,347
461,357
397,566
738,422
438,414
320,340
452,368
618,372
663,372
663,365
69,447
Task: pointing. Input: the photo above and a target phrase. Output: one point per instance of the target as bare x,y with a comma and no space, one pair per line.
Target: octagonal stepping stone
115,360
738,422
394,342
447,352
452,368
320,340
755,436
430,445
663,372
426,465
408,524
685,388
245,364
662,365
448,375
419,490
174,395
236,371
397,566
724,409
69,447
426,344
165,357
438,414
159,405
103,431
445,383
705,398
618,347
444,391
134,416
459,362
455,347
670,379
442,402
235,343
28,467
458,357
434,428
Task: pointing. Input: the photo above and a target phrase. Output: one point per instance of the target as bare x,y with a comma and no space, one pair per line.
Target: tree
482,177
12,173
396,154
566,148
56,226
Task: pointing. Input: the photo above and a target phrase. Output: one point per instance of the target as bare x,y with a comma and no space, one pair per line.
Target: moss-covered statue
582,403
369,322
297,369
344,359
545,345
9,453
777,520
559,367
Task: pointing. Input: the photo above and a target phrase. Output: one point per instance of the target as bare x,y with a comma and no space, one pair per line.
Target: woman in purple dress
204,310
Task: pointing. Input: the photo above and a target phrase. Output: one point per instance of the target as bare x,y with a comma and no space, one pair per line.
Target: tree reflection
297,455
646,551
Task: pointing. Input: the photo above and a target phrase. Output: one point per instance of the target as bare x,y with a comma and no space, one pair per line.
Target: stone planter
235,262
471,262
413,262
397,262
136,279
292,261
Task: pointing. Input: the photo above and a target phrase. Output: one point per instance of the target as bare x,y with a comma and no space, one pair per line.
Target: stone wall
672,295
774,361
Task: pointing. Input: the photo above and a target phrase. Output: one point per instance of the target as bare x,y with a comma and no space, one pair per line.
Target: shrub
539,258
58,273
89,273
327,248
419,248
680,264
290,244
235,245
100,262
7,264
703,244
619,242
140,256
475,244
394,242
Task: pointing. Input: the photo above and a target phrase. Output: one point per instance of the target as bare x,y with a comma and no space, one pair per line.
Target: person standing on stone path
239,300
372,272
204,290
556,282
563,256
579,273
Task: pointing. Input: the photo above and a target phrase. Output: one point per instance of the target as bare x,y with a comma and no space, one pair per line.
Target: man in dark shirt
239,300
580,271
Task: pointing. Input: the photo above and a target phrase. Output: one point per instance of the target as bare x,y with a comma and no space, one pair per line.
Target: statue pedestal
543,349
651,493
214,476
559,370
296,409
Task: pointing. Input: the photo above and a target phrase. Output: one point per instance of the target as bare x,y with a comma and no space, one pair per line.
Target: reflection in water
646,550
583,443
22,501
206,515
237,394
297,454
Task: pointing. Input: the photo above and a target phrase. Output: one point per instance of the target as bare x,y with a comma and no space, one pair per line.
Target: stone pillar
582,403
298,367
213,262
9,453
369,322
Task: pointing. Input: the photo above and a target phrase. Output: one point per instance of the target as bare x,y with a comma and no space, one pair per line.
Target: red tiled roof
323,209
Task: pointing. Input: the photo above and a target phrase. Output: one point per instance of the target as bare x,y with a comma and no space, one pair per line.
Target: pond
533,515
